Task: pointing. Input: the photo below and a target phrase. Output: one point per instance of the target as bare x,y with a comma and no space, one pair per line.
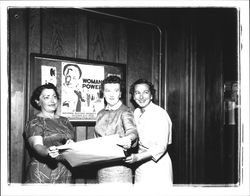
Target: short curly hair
37,92
113,79
142,81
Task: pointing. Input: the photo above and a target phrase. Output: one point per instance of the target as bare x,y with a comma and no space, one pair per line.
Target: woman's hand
70,141
53,152
132,158
142,156
124,142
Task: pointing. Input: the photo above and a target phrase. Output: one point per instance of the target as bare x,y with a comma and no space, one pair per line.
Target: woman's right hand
53,152
124,142
70,141
132,158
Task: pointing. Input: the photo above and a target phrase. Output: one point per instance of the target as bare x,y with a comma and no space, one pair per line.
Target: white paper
97,150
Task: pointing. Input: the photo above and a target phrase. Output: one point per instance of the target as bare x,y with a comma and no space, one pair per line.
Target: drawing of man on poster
72,94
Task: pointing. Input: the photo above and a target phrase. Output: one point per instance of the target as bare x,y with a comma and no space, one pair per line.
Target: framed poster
78,82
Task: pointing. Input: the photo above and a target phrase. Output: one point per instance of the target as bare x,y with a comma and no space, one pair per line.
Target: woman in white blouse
155,134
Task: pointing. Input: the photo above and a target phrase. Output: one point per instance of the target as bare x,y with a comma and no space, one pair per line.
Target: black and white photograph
125,98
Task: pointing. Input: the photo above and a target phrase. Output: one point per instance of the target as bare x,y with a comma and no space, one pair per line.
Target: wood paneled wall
194,76
189,82
18,70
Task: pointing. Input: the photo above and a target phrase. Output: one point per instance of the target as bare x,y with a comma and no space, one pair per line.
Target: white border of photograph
20,189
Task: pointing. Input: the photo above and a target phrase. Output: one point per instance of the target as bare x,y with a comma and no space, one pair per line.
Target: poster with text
80,91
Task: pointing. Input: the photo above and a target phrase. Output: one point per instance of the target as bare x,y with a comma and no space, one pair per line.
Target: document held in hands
92,151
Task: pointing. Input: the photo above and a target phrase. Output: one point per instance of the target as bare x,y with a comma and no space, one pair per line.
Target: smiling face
112,93
48,101
142,95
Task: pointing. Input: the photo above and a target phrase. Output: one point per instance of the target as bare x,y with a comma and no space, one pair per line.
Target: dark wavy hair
112,80
142,81
37,92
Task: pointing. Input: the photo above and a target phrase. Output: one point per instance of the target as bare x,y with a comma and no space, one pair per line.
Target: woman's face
112,93
48,100
142,95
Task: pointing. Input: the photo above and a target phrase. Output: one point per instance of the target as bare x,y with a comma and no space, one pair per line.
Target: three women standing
48,130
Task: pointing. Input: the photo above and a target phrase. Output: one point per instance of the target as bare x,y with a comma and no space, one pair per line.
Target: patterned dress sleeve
34,128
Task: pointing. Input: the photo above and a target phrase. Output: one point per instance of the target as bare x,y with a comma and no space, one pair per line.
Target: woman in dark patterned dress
43,133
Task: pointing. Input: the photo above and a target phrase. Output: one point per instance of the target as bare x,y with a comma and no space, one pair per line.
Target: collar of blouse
114,107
